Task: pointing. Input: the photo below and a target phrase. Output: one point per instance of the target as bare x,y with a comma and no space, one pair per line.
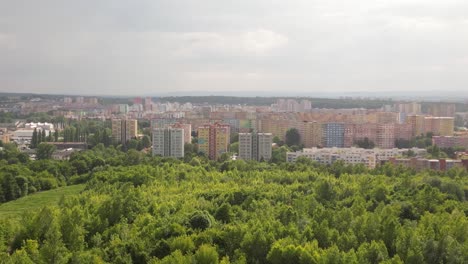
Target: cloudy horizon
160,47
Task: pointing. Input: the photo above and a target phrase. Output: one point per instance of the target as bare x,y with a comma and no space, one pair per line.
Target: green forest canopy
140,209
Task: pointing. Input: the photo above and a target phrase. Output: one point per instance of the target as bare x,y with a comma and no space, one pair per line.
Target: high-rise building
174,123
79,100
206,111
67,100
148,104
413,108
123,108
137,100
333,135
255,146
306,106
213,140
441,126
311,134
385,136
441,109
124,129
168,142
92,100
187,131
417,124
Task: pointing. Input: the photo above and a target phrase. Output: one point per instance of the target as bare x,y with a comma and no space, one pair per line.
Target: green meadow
34,202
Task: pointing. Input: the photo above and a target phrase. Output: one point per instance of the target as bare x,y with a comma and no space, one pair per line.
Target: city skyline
250,47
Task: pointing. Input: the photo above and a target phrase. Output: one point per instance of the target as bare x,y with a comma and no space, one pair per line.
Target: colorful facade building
213,139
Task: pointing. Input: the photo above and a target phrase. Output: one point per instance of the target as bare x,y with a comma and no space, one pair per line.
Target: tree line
142,209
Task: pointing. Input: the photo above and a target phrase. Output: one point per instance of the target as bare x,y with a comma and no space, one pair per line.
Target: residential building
385,136
123,108
450,141
79,100
124,129
441,109
369,157
148,104
168,142
432,164
255,146
174,123
331,155
311,134
441,126
213,139
67,100
413,108
333,135
417,124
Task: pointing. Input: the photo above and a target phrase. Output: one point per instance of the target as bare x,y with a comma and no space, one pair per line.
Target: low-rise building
450,141
432,164
369,157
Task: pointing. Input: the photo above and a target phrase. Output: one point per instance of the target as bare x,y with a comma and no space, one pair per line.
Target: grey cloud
128,47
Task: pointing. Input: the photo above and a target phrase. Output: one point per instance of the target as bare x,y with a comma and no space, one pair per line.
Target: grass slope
15,209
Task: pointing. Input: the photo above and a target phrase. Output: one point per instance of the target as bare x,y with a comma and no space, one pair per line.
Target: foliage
293,138
141,209
365,143
45,151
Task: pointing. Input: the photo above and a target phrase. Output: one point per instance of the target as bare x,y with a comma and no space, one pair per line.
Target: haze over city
250,47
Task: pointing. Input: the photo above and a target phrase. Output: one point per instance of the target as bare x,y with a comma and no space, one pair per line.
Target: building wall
222,139
385,136
443,126
131,129
417,124
265,141
124,129
333,135
245,146
213,140
311,134
168,142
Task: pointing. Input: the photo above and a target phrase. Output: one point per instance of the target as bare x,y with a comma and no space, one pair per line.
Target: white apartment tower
168,142
255,146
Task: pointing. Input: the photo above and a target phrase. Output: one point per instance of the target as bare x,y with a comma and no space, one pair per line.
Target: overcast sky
133,47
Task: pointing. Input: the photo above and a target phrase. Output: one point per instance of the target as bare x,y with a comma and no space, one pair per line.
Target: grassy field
15,209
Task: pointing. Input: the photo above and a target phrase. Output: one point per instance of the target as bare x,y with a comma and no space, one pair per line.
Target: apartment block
425,164
369,157
213,139
187,128
255,146
278,127
174,123
417,124
441,126
311,133
385,136
356,132
408,108
441,109
331,155
450,141
333,135
168,142
124,129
